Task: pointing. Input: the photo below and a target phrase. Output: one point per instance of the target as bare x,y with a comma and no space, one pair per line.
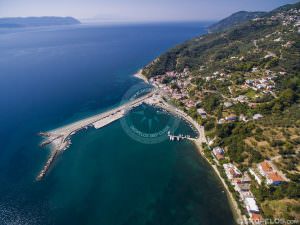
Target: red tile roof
266,167
256,218
275,177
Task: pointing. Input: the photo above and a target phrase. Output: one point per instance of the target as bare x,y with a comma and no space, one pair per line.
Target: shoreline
237,214
140,76
232,202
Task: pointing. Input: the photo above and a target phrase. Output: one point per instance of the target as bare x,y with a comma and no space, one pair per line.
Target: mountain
246,82
16,22
234,19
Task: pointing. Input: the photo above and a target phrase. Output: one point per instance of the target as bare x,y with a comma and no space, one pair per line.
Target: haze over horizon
136,10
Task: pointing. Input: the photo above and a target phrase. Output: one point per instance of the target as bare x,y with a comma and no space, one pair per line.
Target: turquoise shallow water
52,76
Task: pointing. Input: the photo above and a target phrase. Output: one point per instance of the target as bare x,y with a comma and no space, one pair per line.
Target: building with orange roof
264,168
256,218
274,178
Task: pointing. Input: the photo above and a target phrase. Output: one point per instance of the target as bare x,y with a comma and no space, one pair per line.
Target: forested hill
15,22
234,20
214,50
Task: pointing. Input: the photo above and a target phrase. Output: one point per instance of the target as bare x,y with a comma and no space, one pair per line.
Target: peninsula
19,22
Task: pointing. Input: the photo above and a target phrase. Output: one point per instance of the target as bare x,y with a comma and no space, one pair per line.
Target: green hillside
247,79
234,20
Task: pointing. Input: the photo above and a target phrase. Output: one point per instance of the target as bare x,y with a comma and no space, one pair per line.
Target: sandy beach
139,75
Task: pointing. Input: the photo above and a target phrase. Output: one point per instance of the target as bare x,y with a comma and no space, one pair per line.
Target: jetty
60,139
178,137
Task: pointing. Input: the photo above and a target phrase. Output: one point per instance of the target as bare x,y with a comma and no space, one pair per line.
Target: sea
52,76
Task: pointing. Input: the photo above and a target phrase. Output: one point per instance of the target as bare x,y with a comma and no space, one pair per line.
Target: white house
251,205
257,116
202,113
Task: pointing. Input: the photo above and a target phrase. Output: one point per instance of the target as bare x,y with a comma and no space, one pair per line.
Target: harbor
60,139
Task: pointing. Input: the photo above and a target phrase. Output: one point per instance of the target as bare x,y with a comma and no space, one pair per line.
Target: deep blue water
52,76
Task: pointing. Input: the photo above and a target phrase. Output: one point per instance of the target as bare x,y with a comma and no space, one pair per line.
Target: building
257,116
218,153
251,205
202,113
231,118
272,176
256,218
264,168
221,121
231,171
227,104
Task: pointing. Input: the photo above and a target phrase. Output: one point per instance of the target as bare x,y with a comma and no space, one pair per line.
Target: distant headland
19,22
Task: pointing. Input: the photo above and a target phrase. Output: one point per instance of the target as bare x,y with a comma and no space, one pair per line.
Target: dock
178,137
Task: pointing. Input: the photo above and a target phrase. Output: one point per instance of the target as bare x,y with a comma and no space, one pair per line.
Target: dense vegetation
234,20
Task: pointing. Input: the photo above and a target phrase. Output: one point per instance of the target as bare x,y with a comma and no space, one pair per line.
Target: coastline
140,76
198,143
233,204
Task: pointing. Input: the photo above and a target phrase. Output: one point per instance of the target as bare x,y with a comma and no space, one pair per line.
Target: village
176,85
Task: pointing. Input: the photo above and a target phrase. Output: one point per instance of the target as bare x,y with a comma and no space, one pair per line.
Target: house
221,121
256,218
272,176
231,118
251,205
257,116
241,98
202,113
246,179
231,171
242,185
227,104
190,104
264,168
218,153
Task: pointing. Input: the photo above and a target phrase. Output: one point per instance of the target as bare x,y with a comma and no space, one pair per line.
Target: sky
136,10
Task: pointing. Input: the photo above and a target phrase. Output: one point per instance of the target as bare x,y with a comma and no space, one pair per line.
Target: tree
211,102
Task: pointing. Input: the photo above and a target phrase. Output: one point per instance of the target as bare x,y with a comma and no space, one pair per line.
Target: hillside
15,22
243,85
234,20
